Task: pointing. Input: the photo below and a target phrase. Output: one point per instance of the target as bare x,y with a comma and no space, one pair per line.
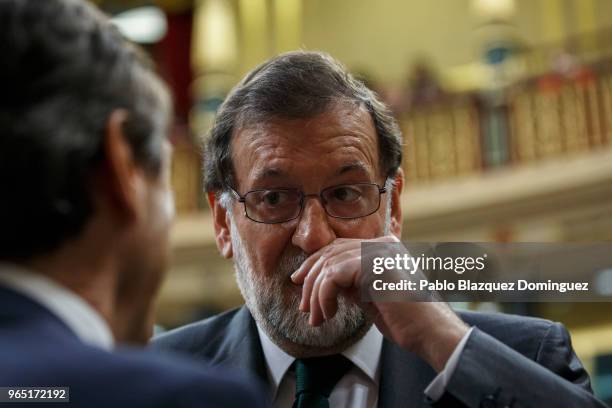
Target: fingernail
294,274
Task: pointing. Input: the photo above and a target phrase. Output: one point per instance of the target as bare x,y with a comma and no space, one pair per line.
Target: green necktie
316,378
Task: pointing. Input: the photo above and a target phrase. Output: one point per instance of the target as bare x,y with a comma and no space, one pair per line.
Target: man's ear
122,176
396,204
221,222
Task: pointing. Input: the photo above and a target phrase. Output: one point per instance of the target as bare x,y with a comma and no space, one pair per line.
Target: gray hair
294,85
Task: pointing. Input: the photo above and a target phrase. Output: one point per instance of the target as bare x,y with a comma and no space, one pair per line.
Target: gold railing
544,117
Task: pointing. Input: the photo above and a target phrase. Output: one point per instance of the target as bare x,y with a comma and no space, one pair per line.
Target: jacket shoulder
200,337
123,378
183,382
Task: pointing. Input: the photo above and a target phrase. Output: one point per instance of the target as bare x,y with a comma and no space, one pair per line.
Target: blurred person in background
85,212
303,166
423,87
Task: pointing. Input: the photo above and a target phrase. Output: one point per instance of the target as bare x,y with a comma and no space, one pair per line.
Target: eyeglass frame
242,199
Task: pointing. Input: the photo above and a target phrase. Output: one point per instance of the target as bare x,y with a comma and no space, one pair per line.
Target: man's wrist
440,340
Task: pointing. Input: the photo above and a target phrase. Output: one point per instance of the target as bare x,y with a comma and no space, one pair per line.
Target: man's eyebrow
267,172
273,172
353,167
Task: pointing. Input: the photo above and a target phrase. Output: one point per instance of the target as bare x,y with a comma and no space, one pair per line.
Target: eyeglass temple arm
237,195
383,189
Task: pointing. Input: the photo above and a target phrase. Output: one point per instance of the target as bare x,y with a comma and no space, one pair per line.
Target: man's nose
313,230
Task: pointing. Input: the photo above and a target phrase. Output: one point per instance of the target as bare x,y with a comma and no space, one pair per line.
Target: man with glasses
302,166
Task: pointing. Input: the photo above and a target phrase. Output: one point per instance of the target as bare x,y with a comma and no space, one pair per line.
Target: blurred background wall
505,105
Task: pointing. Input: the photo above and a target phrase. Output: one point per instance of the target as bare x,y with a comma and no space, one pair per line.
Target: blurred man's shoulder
122,378
184,382
205,334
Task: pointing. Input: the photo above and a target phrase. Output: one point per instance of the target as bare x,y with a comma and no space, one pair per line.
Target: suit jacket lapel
404,377
241,348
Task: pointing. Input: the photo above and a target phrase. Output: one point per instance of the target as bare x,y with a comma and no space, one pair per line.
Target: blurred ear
221,222
123,177
396,204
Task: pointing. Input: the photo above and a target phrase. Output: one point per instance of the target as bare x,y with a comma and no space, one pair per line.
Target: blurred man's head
298,126
84,158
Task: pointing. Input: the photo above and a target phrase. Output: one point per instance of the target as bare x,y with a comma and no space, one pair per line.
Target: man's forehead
344,133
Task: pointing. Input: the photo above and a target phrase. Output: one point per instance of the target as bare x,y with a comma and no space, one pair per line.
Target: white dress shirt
67,306
356,389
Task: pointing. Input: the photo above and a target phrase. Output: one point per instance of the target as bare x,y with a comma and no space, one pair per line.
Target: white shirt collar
70,308
365,354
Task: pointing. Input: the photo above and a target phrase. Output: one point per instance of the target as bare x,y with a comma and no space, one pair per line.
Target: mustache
290,261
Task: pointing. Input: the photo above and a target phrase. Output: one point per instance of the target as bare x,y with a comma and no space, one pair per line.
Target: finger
338,245
316,314
300,273
308,272
309,281
341,277
330,270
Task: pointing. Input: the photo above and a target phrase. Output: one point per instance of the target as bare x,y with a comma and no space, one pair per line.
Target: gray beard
274,304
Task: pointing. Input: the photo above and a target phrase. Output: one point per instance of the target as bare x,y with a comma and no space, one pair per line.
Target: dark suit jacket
507,361
37,349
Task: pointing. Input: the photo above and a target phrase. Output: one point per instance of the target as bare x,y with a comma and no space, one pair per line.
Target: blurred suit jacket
37,349
508,361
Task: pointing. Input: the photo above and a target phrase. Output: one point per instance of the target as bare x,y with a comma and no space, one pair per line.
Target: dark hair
64,69
290,86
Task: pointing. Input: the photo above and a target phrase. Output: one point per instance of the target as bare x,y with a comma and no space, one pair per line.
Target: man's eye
346,194
273,198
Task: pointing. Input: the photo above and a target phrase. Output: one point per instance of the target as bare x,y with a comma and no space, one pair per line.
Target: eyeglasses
346,201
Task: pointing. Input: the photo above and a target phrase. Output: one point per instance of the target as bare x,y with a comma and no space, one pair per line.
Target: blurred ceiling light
494,9
143,25
214,45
